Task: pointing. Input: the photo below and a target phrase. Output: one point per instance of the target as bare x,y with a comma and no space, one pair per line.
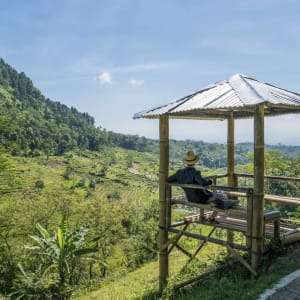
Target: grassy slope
230,283
143,282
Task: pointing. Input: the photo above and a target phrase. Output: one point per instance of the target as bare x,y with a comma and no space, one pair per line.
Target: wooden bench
234,218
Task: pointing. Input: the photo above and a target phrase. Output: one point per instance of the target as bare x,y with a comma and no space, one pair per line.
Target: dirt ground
291,257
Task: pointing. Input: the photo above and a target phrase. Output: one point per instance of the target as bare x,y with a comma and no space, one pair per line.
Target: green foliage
34,285
58,261
39,184
126,224
7,269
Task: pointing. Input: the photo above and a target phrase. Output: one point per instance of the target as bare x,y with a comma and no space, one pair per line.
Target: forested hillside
31,125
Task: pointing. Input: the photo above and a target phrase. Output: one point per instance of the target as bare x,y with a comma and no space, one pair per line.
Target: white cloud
104,73
105,78
136,82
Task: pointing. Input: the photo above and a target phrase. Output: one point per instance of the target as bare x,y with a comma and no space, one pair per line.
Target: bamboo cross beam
202,244
209,239
241,260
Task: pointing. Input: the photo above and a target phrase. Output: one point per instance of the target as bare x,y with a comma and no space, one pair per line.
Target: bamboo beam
269,198
279,178
203,275
230,161
291,238
209,239
241,260
183,250
163,174
202,244
249,219
258,197
230,150
177,238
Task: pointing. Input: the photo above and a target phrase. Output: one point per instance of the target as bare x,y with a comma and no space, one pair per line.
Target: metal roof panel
236,93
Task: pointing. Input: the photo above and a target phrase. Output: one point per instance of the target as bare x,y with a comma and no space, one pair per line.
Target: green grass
230,282
144,281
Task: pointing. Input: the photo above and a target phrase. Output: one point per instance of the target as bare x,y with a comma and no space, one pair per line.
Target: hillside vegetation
109,192
78,204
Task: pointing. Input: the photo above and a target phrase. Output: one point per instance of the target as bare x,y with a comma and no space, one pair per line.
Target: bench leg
230,236
201,212
277,230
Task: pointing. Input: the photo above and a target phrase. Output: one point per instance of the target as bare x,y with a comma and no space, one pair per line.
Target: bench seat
234,218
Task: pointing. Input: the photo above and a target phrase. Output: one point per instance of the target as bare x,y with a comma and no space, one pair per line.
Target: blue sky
117,57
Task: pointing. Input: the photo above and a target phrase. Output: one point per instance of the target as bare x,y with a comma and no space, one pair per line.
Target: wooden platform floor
224,221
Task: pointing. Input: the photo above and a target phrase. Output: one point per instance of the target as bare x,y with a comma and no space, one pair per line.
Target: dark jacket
190,175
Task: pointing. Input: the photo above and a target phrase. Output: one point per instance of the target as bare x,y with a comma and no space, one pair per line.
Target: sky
114,58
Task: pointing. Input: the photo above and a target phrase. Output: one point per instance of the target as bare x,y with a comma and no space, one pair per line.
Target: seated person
189,175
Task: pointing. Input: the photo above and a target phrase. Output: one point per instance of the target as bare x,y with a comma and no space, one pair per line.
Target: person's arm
201,180
172,178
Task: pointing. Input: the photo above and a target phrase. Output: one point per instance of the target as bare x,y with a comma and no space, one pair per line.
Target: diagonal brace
241,259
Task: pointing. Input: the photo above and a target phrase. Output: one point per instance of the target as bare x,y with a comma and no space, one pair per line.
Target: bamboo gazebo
238,97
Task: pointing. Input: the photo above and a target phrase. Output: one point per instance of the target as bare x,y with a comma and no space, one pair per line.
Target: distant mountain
290,151
31,124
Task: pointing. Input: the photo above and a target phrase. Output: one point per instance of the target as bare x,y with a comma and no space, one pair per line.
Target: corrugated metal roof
239,94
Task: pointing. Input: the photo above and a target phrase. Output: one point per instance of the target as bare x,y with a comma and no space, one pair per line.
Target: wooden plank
236,209
236,224
213,188
271,198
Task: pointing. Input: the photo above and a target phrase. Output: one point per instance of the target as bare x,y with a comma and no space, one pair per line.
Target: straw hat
190,158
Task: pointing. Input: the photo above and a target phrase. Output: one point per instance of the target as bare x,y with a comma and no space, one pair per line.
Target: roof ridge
188,97
233,80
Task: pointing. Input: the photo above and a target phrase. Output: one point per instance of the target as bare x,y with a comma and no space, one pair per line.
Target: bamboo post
163,174
168,205
249,218
230,161
258,197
